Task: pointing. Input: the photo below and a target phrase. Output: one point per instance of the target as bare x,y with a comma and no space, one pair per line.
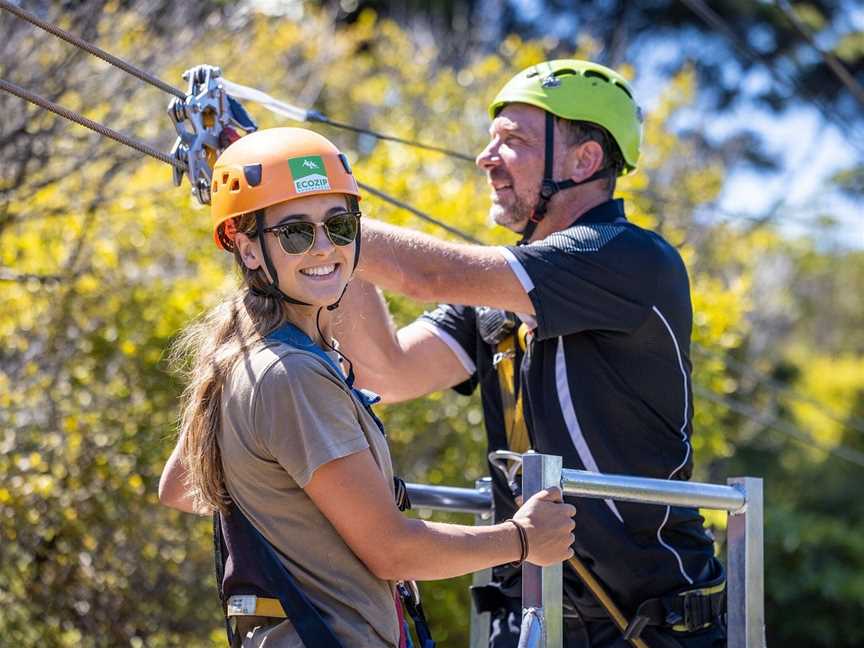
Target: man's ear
584,160
250,253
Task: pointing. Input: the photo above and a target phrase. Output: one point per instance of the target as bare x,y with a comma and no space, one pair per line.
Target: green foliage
88,411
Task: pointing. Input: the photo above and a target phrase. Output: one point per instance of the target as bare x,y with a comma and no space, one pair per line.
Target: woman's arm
172,485
354,496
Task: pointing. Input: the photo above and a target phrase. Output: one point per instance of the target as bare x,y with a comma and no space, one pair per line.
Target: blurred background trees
102,261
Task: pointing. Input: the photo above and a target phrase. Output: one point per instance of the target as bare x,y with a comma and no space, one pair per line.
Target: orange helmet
271,166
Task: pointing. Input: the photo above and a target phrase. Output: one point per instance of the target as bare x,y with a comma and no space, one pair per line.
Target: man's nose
488,156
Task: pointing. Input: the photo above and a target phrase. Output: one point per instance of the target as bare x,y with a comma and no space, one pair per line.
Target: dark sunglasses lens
296,238
342,228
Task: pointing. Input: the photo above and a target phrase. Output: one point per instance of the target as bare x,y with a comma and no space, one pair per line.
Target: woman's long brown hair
206,352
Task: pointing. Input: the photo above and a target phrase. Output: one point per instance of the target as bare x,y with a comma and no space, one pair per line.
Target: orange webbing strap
518,441
604,599
514,416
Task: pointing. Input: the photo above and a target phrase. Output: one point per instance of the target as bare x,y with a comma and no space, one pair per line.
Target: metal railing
542,587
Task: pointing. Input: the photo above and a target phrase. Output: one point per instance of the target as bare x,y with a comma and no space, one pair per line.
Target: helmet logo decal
551,81
309,174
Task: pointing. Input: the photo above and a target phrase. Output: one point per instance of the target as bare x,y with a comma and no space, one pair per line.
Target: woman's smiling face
318,276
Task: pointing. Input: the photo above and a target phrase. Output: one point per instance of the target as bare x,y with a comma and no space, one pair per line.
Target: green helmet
580,91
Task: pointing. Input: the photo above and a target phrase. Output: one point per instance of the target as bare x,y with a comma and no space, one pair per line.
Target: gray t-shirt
285,413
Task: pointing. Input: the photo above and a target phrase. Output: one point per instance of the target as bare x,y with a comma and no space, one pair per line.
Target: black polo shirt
606,385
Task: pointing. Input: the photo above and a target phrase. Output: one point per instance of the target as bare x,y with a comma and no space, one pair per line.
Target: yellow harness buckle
251,605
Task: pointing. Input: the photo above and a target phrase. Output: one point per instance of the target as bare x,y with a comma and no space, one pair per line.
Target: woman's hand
548,523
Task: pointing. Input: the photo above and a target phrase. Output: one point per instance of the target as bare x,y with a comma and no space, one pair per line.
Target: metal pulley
207,121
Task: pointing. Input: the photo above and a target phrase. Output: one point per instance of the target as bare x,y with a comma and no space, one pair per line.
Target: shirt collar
607,212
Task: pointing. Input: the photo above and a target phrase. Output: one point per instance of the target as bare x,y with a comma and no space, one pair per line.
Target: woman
272,427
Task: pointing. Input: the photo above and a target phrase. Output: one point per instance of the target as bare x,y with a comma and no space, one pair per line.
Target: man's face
513,162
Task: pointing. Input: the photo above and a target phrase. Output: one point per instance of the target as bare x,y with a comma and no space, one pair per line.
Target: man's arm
398,365
431,270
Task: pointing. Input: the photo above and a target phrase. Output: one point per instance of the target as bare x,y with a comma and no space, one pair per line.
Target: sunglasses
298,237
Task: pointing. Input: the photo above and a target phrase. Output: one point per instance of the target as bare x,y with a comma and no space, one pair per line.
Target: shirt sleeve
456,326
305,417
589,277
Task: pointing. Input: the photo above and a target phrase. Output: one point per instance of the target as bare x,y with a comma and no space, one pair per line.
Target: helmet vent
235,185
345,165
595,73
224,178
624,89
215,187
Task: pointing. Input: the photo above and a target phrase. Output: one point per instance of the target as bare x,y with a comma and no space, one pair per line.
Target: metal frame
542,623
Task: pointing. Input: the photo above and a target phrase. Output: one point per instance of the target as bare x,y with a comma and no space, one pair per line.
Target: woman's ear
249,251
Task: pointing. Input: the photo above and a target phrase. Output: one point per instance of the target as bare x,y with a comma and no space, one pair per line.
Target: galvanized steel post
541,587
745,579
479,622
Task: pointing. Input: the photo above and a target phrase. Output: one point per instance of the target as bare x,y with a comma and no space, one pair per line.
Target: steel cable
391,138
716,22
297,113
71,115
95,51
781,425
313,116
307,115
420,214
852,423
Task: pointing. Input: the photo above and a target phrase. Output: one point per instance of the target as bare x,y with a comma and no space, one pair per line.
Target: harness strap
685,611
255,553
549,186
260,556
410,596
511,393
272,289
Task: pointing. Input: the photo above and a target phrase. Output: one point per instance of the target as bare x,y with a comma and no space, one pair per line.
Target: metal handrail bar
664,492
541,587
583,483
449,498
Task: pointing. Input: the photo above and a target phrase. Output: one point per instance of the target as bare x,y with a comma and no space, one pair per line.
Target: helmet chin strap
359,238
272,289
550,187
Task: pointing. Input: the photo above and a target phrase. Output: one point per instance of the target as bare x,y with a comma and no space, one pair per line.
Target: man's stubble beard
514,217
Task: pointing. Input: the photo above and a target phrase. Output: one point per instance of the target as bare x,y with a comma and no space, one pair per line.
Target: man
578,338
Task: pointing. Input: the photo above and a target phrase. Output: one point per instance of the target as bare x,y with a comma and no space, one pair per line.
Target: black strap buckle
488,598
548,188
403,501
683,612
697,610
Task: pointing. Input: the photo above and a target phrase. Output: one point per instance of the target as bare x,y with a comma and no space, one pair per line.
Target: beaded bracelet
523,542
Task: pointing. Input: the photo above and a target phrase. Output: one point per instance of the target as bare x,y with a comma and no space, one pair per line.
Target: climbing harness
510,383
499,329
685,611
509,464
253,581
